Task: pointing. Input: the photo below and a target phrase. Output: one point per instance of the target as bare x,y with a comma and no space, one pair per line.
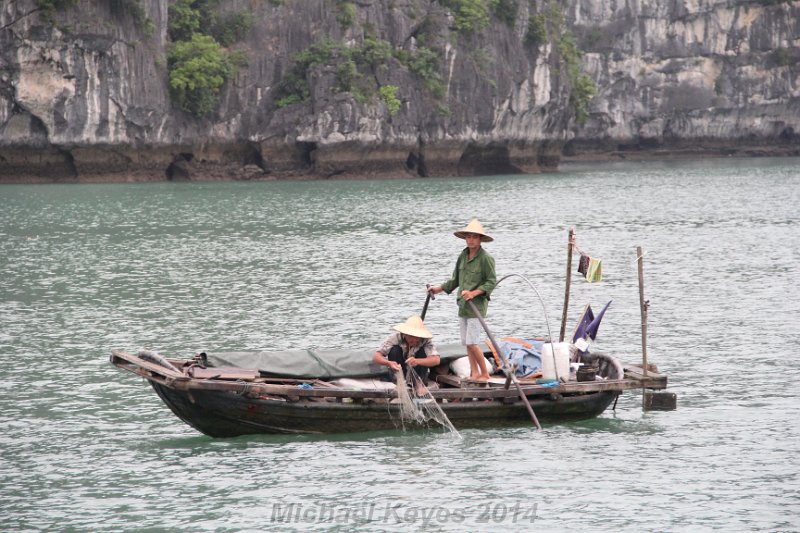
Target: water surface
181,267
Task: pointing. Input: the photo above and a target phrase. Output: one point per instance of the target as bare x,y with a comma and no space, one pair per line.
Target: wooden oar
510,373
427,301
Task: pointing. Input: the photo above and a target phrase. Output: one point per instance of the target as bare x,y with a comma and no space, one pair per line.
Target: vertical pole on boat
570,245
643,305
510,371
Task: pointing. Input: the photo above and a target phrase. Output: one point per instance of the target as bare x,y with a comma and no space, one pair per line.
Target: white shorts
470,330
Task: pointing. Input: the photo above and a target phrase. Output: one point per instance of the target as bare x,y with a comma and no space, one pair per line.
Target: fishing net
417,404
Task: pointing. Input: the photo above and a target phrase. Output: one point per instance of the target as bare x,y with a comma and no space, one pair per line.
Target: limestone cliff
702,76
89,95
85,89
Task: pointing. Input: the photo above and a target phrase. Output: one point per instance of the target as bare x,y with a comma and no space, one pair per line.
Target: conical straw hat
414,326
474,227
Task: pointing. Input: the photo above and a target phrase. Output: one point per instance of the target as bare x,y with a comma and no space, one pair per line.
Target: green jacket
471,274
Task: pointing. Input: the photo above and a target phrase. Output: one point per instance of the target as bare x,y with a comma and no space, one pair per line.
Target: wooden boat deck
245,382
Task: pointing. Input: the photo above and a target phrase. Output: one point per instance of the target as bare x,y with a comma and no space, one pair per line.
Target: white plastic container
558,368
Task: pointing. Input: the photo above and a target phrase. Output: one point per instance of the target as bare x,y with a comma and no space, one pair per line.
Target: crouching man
411,345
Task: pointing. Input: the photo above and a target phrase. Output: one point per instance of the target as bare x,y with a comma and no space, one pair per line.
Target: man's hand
436,289
469,295
394,365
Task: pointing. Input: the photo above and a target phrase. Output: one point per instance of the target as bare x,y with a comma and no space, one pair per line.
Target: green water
183,267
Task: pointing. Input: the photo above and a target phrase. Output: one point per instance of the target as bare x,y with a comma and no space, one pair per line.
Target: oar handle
510,371
427,301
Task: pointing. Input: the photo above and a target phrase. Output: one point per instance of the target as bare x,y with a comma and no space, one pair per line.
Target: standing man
474,274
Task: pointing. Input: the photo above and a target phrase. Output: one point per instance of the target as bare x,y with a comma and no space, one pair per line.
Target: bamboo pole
510,371
570,245
643,305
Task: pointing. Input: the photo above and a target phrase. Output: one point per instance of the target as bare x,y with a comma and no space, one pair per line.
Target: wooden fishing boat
314,395
302,391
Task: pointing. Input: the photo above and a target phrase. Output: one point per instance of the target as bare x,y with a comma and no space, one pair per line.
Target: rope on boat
546,320
245,387
544,310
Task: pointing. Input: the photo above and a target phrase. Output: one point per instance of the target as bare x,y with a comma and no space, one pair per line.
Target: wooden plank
282,390
636,370
481,392
116,356
453,381
223,373
649,380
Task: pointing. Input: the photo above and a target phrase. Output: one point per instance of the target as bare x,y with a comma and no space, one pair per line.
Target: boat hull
225,414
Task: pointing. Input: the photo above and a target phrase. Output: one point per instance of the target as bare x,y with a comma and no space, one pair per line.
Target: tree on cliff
197,70
199,65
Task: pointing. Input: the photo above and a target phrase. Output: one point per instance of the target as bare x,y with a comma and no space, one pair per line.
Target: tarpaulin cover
322,364
526,354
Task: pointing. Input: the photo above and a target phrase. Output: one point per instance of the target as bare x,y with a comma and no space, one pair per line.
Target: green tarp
310,364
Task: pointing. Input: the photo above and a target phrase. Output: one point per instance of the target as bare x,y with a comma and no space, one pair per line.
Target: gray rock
87,98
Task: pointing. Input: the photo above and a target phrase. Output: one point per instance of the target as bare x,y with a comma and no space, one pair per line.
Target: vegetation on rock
352,65
48,8
346,13
536,34
470,15
389,96
582,88
197,70
199,64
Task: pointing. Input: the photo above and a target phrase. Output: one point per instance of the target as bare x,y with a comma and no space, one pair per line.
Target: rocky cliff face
89,96
84,91
704,76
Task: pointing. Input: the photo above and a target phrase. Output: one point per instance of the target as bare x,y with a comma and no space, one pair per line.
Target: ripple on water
180,267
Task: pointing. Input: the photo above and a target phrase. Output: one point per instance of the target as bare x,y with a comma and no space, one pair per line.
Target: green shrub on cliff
198,63
293,87
231,27
583,90
142,20
187,17
505,11
355,67
197,70
470,15
389,97
536,35
184,20
582,87
425,63
345,13
374,53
